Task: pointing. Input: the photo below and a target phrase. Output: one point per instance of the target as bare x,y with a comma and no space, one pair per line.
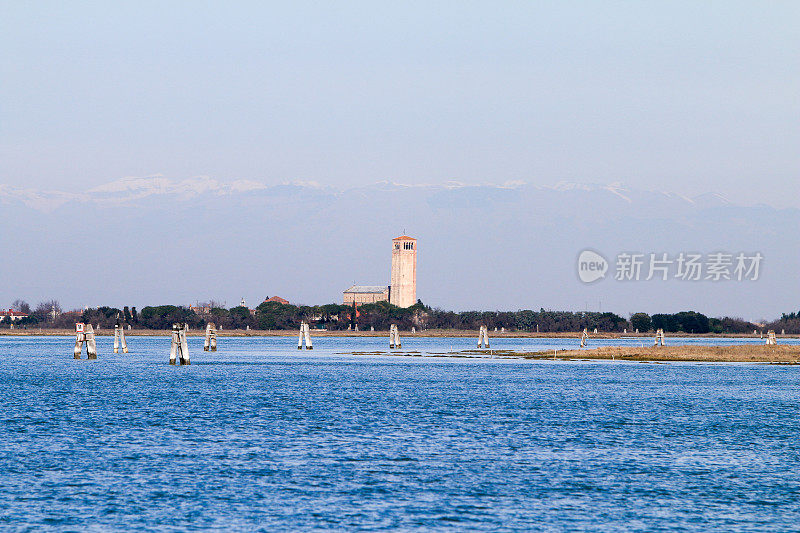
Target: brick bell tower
403,288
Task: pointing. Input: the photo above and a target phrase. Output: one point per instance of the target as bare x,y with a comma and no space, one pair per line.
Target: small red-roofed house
277,299
12,316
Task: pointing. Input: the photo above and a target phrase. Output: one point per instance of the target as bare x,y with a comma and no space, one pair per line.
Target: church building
402,290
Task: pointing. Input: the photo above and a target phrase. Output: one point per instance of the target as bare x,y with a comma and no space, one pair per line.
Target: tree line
380,315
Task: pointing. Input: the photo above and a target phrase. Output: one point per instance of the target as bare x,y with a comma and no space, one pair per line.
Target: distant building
365,294
75,314
403,287
402,291
12,316
200,309
277,299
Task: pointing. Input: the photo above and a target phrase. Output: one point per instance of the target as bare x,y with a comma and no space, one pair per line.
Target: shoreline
109,332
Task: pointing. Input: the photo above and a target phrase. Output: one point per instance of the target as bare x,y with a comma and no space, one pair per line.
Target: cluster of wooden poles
178,353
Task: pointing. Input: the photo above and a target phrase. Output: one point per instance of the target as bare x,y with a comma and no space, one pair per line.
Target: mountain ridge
132,189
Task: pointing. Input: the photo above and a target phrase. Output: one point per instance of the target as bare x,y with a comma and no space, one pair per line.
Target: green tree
666,322
275,315
163,316
641,321
692,322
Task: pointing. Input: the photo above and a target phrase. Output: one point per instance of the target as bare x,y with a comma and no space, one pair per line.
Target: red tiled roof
404,238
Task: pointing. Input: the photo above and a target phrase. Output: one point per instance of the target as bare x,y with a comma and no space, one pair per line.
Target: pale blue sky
689,97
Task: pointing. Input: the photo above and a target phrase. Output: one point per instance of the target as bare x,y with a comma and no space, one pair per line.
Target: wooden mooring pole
483,337
180,346
305,335
119,338
771,340
210,343
394,337
84,333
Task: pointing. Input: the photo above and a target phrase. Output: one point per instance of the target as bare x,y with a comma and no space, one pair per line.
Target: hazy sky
683,96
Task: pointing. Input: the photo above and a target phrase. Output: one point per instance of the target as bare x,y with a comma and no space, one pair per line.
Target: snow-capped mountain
146,240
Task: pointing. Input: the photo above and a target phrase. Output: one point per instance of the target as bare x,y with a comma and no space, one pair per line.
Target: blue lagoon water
260,436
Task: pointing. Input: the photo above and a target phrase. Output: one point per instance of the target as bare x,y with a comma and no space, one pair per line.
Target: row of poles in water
179,350
394,337
84,334
772,339
659,337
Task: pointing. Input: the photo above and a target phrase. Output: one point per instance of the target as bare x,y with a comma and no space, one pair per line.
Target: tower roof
404,238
